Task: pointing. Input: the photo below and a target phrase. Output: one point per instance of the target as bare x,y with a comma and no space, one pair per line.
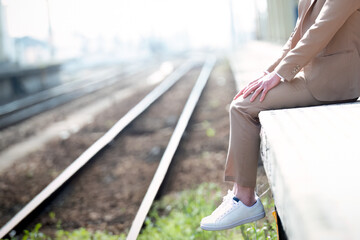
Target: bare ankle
245,194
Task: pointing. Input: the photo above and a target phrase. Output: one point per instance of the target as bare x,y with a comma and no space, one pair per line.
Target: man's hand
262,85
243,90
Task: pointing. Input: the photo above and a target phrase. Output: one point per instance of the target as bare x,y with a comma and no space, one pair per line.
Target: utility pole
233,31
50,32
6,43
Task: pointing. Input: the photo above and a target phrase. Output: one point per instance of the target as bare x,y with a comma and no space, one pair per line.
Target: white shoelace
227,204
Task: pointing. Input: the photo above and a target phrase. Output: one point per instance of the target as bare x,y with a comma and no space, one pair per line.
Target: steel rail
171,149
75,84
25,108
50,93
95,148
54,101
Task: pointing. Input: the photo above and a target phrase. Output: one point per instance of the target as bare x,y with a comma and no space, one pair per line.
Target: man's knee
241,105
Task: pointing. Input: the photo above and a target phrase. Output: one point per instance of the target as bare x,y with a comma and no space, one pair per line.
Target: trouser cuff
240,182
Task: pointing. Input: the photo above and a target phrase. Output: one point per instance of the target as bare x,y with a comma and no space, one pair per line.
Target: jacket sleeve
332,16
286,48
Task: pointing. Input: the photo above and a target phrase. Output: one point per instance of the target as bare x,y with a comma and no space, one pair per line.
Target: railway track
24,108
42,199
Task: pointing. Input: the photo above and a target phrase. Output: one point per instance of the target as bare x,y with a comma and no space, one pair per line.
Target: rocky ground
106,195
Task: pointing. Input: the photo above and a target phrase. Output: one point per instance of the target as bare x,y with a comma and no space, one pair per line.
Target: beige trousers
244,142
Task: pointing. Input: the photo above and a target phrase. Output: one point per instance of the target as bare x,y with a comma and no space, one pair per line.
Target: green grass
78,234
177,216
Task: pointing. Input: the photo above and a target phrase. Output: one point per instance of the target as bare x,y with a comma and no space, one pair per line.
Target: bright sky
202,22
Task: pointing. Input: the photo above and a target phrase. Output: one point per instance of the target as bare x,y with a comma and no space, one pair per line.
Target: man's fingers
250,90
250,85
245,89
252,82
242,90
265,91
238,95
256,93
267,88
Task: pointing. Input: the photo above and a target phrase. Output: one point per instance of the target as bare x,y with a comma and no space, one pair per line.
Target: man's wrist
281,78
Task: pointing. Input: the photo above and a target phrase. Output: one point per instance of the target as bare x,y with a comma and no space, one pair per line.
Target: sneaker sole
238,223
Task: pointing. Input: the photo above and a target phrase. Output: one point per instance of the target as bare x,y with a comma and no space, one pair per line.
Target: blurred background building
275,19
37,31
41,33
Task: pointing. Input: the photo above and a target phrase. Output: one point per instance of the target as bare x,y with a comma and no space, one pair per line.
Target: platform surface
312,160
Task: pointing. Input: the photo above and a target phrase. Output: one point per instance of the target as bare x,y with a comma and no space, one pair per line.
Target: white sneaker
231,213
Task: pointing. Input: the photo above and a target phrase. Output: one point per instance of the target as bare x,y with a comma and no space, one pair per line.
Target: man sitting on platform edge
320,64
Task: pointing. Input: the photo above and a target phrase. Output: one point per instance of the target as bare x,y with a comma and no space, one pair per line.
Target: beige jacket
325,44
